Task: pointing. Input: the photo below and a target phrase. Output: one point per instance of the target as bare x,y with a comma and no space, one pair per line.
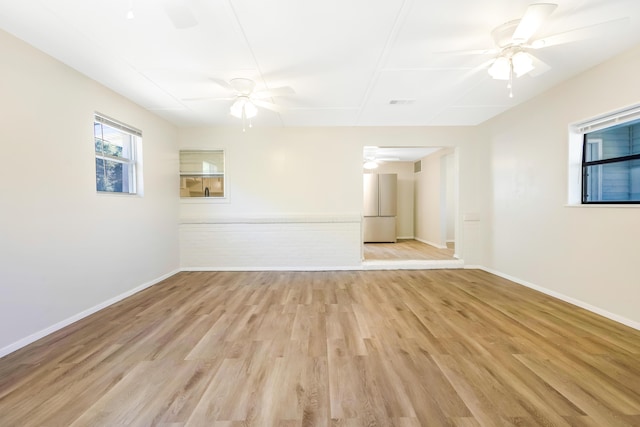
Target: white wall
299,181
435,184
588,254
405,206
450,208
63,248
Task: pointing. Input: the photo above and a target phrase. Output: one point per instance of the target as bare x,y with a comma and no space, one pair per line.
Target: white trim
66,322
604,205
412,264
597,310
275,219
366,265
435,245
406,237
303,268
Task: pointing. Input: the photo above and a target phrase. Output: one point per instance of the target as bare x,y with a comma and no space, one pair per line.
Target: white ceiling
345,59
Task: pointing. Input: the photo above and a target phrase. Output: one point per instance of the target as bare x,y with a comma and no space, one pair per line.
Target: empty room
290,213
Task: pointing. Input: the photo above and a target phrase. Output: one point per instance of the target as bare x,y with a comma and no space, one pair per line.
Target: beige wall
435,201
64,249
588,254
308,176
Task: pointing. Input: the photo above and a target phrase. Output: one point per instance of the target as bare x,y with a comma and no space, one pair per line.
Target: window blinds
605,121
99,118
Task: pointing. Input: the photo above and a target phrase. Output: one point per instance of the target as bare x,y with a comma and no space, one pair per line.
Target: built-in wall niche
202,174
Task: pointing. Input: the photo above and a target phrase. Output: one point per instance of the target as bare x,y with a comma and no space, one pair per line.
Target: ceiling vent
402,101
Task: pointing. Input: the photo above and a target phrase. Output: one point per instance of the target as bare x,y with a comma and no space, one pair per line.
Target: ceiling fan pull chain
244,119
510,85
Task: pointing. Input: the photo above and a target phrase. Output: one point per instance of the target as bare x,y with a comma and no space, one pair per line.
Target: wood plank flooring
360,348
406,249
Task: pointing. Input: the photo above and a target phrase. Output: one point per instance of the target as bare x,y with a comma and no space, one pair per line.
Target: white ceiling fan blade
279,91
539,67
583,33
492,51
179,14
209,98
267,105
532,21
223,83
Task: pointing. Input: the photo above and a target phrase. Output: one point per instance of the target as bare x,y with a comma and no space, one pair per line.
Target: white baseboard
304,268
597,310
411,264
405,237
435,245
66,322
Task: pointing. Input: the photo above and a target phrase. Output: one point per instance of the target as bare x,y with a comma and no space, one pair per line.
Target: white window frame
597,142
133,160
576,144
224,174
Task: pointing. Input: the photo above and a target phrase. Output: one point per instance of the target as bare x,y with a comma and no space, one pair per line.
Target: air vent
417,166
402,101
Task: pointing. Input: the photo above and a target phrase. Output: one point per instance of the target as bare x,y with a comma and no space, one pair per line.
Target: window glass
116,147
202,174
611,164
617,141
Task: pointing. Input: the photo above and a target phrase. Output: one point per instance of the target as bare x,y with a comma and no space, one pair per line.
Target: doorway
426,207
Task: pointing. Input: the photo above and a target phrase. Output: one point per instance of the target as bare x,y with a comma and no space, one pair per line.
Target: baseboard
597,310
412,264
405,237
435,245
53,328
303,268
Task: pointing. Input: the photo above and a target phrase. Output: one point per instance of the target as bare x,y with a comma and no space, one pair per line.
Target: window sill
117,194
609,206
204,200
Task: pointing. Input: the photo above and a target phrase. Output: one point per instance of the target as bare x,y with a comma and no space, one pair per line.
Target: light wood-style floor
362,348
406,249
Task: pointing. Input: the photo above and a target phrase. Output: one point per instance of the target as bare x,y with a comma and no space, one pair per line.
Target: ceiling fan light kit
370,164
519,63
522,63
243,108
130,15
501,68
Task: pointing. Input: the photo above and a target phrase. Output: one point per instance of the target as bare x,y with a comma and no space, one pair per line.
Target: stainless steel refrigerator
380,194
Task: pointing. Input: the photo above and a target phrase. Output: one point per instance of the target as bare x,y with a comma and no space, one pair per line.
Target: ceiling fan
372,158
515,40
246,99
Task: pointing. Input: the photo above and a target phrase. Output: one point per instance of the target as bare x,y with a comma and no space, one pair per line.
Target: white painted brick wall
271,243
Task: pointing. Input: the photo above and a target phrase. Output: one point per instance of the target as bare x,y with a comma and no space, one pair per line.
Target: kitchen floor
407,249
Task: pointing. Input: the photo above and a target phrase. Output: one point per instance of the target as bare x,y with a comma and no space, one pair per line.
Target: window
202,174
611,164
117,148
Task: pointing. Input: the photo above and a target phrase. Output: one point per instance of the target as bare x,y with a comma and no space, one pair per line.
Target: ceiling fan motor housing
503,35
242,86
